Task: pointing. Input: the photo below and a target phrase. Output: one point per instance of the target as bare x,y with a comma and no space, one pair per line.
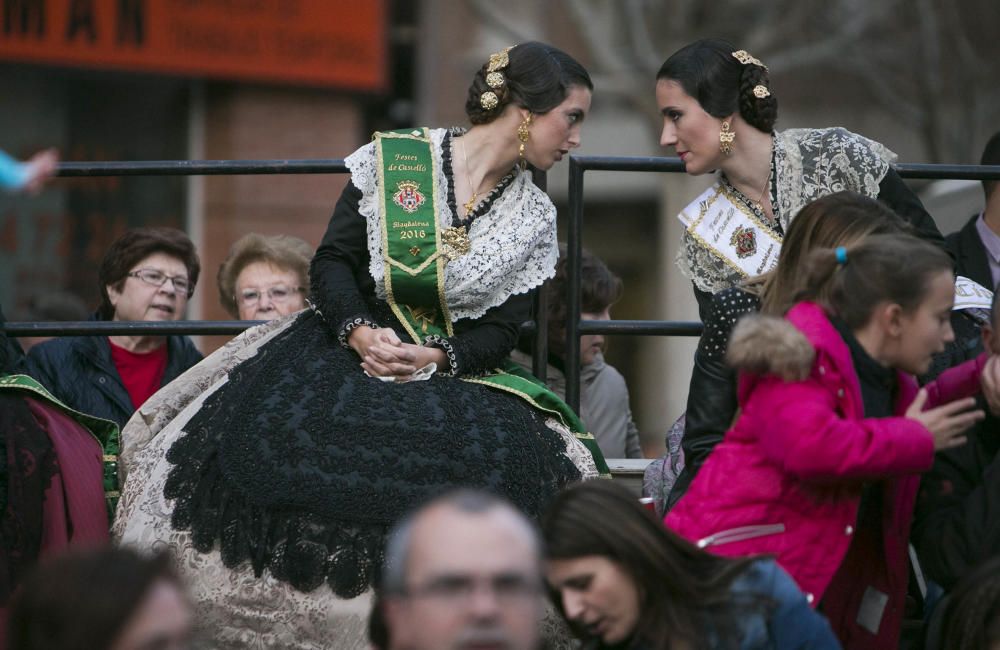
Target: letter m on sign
24,17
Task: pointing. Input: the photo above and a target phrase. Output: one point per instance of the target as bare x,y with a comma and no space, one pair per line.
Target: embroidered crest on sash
744,240
408,197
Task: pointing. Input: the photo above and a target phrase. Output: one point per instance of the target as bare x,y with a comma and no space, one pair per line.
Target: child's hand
948,422
990,381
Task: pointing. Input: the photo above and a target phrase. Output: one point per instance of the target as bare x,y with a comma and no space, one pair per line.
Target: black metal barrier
219,168
574,326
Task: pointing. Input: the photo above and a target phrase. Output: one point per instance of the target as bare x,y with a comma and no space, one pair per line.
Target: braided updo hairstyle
708,71
538,77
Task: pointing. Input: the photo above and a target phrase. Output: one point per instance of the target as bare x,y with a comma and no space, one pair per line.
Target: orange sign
338,43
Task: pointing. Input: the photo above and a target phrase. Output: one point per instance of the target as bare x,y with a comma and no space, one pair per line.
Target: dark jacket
791,623
957,524
11,355
970,254
78,370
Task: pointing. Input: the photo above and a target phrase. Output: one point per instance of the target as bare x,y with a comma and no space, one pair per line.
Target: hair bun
488,93
757,103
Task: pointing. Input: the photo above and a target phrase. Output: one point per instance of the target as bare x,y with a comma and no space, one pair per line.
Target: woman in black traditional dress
274,468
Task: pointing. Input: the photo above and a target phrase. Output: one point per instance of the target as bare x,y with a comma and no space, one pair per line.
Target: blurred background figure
969,618
976,246
30,175
463,571
51,481
604,399
52,306
148,274
265,277
956,527
108,599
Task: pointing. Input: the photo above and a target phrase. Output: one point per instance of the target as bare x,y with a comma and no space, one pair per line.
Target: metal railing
575,327
220,168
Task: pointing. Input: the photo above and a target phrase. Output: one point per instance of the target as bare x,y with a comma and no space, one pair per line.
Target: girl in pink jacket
821,467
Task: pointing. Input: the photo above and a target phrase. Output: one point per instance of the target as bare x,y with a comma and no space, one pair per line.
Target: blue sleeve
13,174
794,624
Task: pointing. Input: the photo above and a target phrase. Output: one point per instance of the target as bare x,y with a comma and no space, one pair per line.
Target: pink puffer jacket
788,477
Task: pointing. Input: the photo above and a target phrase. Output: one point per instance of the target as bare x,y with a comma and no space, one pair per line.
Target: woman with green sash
274,468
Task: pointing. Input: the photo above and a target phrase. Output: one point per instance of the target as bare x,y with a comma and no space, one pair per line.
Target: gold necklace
759,203
468,178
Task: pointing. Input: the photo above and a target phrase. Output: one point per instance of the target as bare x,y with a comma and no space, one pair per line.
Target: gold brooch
455,242
494,79
499,60
760,91
744,57
488,100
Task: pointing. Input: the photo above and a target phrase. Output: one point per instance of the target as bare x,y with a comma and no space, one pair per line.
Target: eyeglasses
277,294
159,278
455,591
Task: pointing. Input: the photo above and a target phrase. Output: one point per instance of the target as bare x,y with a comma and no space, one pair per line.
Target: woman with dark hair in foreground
622,580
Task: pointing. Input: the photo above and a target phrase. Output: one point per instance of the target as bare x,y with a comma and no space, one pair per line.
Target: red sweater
142,373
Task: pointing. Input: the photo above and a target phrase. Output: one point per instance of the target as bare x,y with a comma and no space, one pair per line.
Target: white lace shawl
809,163
514,246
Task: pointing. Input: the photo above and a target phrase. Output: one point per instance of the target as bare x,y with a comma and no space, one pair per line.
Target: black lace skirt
300,463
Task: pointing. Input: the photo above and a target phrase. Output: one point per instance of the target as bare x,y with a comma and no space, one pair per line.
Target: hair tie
841,253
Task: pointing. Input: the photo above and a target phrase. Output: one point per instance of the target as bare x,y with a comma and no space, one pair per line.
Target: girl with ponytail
822,465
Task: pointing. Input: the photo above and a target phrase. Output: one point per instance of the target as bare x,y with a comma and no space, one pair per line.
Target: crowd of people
375,465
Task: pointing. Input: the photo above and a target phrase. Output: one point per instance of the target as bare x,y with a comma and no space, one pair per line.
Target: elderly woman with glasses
265,278
148,274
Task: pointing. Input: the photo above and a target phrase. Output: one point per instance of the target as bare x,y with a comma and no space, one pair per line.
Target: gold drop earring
523,134
726,137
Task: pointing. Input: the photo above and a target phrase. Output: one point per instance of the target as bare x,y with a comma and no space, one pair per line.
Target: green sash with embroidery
416,251
104,431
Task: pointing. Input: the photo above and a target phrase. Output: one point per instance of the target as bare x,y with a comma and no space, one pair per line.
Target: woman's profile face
925,331
556,133
597,595
693,133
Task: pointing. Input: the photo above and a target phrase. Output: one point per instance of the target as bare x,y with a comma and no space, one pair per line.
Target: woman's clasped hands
384,355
